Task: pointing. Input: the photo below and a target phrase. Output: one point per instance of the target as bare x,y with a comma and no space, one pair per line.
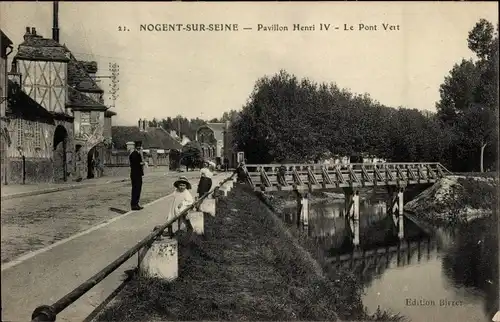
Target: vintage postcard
308,161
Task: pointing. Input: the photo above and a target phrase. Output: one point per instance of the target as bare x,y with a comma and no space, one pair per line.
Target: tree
478,124
481,39
458,91
469,99
230,116
191,155
290,120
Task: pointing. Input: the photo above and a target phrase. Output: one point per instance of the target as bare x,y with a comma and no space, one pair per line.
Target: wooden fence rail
276,177
49,312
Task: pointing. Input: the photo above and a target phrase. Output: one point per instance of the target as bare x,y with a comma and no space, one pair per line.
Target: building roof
109,113
79,78
23,106
36,47
6,42
77,100
152,138
217,128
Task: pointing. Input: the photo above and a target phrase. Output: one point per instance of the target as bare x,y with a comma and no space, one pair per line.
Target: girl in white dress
182,197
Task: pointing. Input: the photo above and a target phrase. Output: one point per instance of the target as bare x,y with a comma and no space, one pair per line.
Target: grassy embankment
456,199
248,267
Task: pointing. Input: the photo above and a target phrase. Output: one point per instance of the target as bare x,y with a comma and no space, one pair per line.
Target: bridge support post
300,209
352,213
304,214
395,208
160,259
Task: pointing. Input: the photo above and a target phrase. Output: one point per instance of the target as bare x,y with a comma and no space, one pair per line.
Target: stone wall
37,170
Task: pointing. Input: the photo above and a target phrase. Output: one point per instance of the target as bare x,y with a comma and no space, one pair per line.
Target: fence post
161,259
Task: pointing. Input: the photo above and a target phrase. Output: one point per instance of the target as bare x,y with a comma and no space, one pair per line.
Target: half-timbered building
53,78
5,49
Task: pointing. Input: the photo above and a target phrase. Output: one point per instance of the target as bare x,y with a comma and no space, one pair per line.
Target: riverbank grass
245,268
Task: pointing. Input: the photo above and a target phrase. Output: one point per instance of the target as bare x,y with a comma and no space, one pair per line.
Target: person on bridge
240,172
136,174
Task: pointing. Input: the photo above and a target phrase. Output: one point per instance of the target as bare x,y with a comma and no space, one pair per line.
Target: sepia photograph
253,161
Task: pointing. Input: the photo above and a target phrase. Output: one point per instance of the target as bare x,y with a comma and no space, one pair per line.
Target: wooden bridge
309,177
349,178
360,261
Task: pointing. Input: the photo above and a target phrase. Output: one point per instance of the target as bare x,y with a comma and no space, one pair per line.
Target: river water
433,276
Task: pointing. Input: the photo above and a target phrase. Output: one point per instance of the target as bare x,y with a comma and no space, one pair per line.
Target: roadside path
34,222
48,274
20,190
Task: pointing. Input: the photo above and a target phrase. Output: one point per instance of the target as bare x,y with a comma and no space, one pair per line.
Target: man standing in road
136,173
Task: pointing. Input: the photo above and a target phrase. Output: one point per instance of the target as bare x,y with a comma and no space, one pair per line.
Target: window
38,135
20,133
85,123
29,130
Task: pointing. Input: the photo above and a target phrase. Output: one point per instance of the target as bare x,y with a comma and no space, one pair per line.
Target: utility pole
114,68
115,82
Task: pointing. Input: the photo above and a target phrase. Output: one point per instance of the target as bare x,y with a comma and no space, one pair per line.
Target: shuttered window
20,132
85,123
38,135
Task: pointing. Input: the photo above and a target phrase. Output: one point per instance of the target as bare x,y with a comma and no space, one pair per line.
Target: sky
203,74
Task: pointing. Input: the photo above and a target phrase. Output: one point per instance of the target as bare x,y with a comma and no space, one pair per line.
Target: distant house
216,142
211,138
157,144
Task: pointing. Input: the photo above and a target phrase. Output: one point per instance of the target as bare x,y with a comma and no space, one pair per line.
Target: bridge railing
49,312
342,175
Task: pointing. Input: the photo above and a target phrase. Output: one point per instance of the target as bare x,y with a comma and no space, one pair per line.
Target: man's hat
182,180
138,143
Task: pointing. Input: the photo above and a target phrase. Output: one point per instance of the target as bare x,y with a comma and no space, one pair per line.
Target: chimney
144,125
27,34
140,124
33,31
55,21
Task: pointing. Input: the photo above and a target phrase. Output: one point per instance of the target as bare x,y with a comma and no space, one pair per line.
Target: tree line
188,127
180,124
287,119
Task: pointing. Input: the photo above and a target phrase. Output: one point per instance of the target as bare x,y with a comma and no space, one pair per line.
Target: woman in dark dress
205,184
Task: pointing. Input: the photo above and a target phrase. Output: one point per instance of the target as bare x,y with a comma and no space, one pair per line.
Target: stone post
196,219
160,260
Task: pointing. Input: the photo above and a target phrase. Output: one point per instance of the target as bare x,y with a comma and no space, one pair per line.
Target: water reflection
449,277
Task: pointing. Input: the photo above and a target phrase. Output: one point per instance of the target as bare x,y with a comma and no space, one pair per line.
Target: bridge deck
276,177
